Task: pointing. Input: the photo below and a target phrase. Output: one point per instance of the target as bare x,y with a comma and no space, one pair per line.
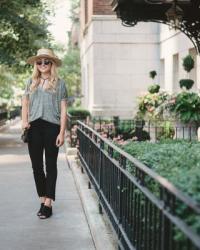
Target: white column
168,77
198,72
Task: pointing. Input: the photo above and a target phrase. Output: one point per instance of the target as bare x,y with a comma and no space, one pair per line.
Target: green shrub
187,83
125,129
148,105
179,162
187,107
152,74
176,160
188,63
79,112
154,88
167,131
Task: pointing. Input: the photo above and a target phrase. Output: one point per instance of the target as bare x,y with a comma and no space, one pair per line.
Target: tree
71,71
74,5
23,29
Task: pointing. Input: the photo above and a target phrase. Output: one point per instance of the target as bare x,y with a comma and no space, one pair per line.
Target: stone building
116,60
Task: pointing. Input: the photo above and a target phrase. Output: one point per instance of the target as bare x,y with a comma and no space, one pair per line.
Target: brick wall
94,7
102,7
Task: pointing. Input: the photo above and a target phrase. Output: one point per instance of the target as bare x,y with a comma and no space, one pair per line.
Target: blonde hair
53,80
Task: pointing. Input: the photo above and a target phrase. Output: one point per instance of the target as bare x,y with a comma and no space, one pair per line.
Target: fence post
100,173
122,163
116,125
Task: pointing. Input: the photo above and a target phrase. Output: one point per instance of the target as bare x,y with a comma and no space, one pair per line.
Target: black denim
42,139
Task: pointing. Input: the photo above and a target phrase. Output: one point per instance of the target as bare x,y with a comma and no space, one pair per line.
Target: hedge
176,160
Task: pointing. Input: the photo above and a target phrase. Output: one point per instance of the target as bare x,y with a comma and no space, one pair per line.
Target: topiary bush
187,83
79,112
154,88
152,74
188,63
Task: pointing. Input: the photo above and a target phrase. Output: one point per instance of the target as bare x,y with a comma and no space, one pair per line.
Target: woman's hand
25,125
60,140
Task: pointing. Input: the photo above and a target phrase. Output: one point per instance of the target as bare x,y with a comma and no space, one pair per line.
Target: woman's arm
63,117
63,121
25,112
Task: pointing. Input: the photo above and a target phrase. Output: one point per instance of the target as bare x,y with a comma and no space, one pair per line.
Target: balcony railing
147,212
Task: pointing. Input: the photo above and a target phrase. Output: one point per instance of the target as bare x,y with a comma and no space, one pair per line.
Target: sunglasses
45,62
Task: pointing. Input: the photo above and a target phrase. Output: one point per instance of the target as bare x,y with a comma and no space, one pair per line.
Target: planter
186,131
154,130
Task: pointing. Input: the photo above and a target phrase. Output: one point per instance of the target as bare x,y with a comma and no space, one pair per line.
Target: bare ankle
42,199
47,202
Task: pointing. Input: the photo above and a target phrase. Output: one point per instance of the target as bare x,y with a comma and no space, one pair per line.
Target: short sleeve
27,88
64,92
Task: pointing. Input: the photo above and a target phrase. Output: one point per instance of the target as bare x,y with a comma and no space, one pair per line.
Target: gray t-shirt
46,104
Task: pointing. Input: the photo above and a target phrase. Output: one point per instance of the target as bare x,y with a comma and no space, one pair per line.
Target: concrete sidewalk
20,228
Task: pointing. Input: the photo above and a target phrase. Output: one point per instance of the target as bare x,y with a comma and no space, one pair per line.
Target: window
176,87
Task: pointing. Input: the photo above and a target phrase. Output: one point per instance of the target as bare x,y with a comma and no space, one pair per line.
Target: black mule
40,210
46,212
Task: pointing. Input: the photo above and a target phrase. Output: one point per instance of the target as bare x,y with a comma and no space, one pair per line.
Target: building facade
116,60
174,46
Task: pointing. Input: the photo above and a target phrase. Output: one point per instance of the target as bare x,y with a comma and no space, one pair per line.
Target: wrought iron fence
144,129
3,117
8,115
71,127
146,211
138,130
14,113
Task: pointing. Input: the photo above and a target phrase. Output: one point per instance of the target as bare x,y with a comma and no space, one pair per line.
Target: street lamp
174,15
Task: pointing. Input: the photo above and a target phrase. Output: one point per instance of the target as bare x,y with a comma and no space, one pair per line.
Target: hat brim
32,59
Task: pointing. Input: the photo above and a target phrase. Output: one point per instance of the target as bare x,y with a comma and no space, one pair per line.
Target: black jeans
42,138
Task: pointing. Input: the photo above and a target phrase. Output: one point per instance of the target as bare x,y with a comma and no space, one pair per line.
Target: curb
100,229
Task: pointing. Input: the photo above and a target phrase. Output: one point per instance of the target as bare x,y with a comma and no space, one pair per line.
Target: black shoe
46,212
40,210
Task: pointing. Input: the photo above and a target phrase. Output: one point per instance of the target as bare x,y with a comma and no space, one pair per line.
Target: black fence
72,127
146,211
137,130
3,117
14,113
145,129
8,115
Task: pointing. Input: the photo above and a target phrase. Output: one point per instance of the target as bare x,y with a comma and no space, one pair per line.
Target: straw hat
47,53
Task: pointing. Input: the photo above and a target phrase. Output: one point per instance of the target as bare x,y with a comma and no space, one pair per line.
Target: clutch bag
24,136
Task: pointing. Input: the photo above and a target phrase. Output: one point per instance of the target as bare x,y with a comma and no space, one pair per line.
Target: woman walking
44,105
